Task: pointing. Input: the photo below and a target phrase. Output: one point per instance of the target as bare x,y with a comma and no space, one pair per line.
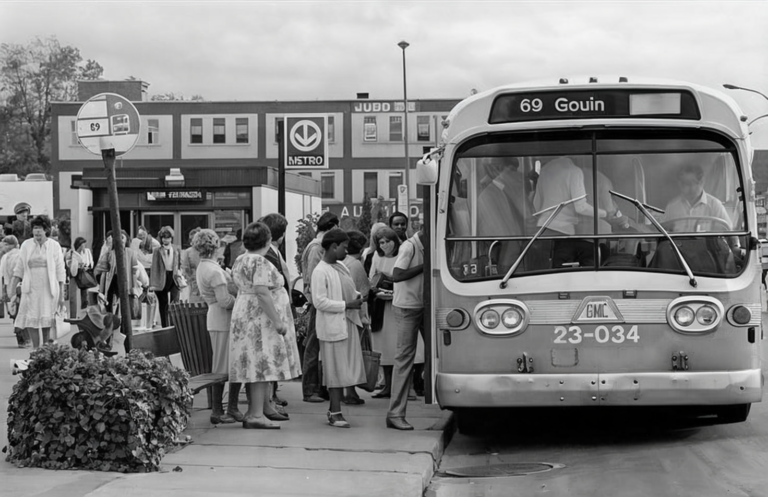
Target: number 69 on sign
602,334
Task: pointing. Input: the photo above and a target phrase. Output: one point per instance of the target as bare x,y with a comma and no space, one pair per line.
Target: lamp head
403,44
730,86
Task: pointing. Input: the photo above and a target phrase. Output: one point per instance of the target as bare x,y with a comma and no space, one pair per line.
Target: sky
331,50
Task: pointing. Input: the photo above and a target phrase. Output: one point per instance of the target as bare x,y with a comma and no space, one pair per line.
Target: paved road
598,453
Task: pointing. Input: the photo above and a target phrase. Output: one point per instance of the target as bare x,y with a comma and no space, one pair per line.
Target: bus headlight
511,318
501,317
489,319
706,315
684,316
695,315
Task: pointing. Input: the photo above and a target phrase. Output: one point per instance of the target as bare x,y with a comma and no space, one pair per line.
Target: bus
593,242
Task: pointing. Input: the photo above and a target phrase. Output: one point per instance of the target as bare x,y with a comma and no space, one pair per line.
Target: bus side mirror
426,170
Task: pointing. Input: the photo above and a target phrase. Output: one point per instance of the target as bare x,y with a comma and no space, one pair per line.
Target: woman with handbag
80,262
40,268
165,278
383,322
106,271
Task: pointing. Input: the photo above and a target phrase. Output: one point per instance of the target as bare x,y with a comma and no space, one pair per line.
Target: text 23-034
601,334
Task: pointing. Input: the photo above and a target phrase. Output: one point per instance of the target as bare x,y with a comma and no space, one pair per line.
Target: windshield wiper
557,208
644,209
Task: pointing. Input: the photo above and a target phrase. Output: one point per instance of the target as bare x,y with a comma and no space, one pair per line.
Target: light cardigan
55,265
331,320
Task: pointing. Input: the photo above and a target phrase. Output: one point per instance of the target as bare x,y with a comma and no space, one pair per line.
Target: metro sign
305,141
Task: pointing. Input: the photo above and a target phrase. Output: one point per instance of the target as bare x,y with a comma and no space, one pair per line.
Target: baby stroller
96,327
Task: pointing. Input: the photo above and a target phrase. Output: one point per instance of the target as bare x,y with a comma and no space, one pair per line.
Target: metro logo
305,143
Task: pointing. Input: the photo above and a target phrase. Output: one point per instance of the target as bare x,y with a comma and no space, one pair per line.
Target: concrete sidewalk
305,457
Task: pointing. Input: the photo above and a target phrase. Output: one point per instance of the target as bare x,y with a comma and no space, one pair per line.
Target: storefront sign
176,196
369,107
378,212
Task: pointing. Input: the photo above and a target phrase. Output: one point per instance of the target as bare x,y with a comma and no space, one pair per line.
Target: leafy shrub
305,233
79,409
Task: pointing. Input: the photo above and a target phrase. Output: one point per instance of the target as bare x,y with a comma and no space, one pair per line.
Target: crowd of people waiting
350,290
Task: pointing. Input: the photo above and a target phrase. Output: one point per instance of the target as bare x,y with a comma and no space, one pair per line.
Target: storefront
226,204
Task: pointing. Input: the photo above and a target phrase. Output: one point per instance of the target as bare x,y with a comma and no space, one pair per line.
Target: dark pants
169,292
311,375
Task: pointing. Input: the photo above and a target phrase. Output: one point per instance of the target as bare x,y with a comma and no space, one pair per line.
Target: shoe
336,420
399,424
314,398
222,419
382,395
353,401
281,410
236,415
276,416
281,402
259,424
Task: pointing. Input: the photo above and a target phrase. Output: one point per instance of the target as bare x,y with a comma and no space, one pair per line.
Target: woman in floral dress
262,338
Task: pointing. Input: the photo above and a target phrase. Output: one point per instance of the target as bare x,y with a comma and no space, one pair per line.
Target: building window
371,184
278,120
331,129
305,174
395,128
369,128
422,128
327,185
219,130
395,180
241,130
196,130
73,139
153,131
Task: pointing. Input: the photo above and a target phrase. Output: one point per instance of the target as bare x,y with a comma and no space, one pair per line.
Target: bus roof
717,110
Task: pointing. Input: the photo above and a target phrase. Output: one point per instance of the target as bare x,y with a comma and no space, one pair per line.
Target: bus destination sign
585,104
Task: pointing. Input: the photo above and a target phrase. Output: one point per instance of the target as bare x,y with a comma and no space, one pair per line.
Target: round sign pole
109,125
108,156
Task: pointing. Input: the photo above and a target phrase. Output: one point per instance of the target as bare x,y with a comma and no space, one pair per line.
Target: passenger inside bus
561,180
494,198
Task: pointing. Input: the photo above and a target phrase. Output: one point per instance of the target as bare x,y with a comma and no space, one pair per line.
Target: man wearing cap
21,228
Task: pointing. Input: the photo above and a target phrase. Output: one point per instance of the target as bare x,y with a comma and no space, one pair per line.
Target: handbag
84,279
135,306
371,361
180,280
60,326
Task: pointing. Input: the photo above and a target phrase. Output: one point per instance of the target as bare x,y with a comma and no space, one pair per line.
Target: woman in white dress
40,268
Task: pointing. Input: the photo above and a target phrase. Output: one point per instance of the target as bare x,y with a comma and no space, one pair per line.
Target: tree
31,77
365,221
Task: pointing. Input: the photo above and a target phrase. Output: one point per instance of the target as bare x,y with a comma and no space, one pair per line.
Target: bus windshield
505,188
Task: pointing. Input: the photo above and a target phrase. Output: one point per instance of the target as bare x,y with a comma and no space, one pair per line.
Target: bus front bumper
620,389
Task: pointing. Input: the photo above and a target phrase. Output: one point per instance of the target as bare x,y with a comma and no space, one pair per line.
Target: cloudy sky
324,49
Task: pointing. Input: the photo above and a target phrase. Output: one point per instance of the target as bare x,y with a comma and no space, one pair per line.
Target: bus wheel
736,413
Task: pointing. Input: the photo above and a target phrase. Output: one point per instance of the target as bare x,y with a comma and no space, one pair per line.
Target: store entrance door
181,222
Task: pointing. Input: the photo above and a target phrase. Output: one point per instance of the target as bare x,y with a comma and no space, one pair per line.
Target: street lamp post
734,87
403,45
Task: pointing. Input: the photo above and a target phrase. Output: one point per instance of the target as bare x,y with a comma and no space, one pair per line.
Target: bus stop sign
306,144
108,117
